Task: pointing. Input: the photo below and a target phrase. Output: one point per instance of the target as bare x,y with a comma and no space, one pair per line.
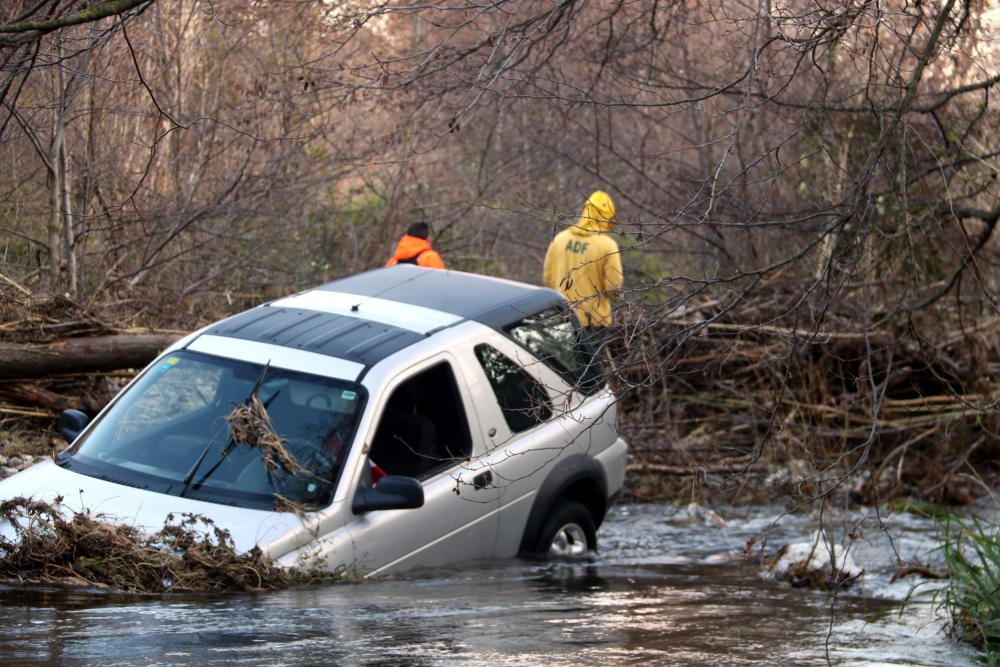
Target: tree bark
26,394
55,202
78,355
63,180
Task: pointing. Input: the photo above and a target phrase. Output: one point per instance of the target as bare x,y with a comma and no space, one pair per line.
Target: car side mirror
72,423
393,492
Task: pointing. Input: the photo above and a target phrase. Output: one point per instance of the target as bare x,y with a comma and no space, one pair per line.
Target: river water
669,586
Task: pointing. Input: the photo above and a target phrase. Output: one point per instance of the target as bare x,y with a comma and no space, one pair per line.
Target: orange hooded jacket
415,250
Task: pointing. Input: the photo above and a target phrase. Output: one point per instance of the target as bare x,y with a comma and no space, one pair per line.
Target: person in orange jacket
415,248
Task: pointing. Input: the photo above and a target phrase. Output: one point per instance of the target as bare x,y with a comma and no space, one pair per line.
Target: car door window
423,428
523,400
556,340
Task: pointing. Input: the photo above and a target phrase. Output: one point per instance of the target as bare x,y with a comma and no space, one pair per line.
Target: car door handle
482,480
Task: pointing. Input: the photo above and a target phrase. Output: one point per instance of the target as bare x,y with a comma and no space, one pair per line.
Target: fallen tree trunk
26,394
76,355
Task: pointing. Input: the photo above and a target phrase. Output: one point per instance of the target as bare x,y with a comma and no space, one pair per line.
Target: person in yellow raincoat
584,263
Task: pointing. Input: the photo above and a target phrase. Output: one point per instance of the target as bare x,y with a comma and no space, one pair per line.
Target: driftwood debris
19,393
77,355
902,410
904,569
720,469
50,543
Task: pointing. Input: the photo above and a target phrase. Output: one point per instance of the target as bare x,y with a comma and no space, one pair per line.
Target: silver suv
423,417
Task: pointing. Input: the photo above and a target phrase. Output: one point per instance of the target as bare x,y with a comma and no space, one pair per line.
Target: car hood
146,509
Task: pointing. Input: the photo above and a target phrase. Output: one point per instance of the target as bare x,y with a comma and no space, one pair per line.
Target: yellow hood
598,215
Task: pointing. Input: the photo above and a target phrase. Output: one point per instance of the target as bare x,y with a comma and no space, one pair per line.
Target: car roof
367,317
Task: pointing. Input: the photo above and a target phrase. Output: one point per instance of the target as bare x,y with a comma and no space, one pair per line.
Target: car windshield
176,431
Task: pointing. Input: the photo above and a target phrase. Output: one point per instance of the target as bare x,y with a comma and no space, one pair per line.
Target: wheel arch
577,477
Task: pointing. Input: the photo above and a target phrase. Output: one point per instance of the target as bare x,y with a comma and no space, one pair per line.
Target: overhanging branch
24,32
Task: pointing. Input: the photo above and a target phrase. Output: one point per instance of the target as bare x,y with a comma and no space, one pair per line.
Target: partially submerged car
418,417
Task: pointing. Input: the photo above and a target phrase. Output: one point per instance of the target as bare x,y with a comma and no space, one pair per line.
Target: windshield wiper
230,441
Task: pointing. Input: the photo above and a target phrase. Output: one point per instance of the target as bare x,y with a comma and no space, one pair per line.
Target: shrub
971,551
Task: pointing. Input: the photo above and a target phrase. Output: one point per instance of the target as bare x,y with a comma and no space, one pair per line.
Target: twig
23,412
717,469
15,285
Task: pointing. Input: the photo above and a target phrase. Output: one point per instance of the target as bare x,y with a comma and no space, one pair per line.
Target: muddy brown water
669,586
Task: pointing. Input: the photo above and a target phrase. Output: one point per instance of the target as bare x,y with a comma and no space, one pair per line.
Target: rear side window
523,400
555,339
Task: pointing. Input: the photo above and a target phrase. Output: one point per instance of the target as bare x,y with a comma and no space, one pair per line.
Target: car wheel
568,533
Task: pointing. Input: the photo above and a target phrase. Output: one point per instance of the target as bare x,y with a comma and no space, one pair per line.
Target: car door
537,419
427,428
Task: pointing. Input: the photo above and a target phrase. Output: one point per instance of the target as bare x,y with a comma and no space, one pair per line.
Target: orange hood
410,246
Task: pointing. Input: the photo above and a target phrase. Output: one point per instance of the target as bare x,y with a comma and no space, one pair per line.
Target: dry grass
36,437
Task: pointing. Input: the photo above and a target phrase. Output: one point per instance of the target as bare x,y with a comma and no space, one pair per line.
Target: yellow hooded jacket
584,263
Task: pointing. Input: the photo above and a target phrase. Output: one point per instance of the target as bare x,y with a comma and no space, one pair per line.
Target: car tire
568,532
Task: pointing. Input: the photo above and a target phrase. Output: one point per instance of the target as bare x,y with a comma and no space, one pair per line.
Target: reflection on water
663,590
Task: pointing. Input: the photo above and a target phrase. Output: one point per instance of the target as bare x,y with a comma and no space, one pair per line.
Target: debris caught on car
250,425
52,544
